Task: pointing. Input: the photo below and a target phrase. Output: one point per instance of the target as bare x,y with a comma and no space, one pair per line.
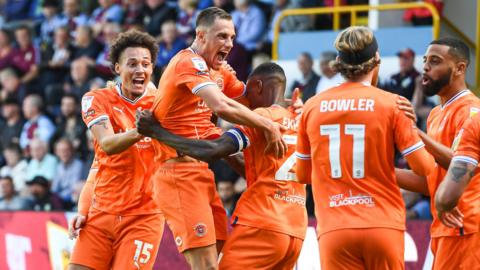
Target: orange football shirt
122,184
444,125
350,133
179,109
273,195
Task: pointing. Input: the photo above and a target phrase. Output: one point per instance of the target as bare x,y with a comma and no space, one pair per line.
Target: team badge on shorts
200,229
178,241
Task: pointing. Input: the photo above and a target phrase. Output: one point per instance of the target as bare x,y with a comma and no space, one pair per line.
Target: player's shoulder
276,113
187,59
98,95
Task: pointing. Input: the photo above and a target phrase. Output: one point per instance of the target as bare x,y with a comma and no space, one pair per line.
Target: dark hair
307,55
458,49
72,96
12,146
269,68
133,38
207,16
7,177
23,27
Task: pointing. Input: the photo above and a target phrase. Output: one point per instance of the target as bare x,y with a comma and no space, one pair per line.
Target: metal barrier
337,10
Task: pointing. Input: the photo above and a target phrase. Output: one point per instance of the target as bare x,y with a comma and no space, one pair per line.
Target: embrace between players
151,148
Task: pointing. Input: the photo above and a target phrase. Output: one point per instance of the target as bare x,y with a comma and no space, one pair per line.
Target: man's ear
117,68
259,85
460,68
200,34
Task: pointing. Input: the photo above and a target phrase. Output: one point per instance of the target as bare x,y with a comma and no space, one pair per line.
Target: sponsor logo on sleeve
199,64
200,229
474,111
86,103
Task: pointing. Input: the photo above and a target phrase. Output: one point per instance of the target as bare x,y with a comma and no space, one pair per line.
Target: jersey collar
119,91
457,96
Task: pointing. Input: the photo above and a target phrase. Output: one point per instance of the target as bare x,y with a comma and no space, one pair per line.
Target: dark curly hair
353,39
133,38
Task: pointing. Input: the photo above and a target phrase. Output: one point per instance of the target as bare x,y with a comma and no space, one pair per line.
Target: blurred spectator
37,125
155,14
226,5
418,206
403,83
226,177
102,63
186,19
85,44
250,24
51,20
78,82
77,189
330,78
6,49
170,45
290,23
42,163
107,12
97,83
26,56
16,167
90,154
133,13
12,87
55,63
9,199
72,17
69,124
422,16
69,170
10,131
259,59
17,10
41,199
308,83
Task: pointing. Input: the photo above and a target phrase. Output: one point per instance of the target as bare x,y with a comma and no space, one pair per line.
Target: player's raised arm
205,150
410,181
110,142
234,112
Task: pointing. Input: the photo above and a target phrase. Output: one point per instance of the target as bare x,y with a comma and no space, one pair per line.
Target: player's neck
452,90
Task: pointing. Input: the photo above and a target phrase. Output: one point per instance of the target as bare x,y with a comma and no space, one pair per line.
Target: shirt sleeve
93,109
406,134
469,142
303,150
193,73
233,87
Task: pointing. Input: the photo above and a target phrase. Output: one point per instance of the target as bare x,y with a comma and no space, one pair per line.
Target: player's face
262,91
217,41
135,69
437,69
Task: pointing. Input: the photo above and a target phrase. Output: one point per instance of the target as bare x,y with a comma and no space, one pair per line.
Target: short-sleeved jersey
273,195
179,109
444,125
122,184
350,133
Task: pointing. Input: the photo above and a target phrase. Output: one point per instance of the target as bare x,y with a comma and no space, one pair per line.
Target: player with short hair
445,65
346,143
194,85
270,220
124,225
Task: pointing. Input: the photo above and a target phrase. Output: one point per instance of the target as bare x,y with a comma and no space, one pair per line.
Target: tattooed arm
451,189
113,143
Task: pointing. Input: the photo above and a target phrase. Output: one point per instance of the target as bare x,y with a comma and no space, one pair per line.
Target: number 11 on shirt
358,133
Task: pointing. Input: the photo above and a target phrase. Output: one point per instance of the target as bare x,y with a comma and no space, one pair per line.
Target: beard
433,87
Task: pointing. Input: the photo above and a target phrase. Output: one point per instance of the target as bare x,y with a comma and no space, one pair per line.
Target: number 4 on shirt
358,133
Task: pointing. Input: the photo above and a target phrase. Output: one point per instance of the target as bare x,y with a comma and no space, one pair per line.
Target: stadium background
53,51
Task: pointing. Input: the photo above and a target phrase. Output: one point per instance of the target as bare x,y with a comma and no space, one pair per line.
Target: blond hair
351,40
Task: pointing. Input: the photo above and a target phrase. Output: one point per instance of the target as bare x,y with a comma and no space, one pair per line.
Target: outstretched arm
206,150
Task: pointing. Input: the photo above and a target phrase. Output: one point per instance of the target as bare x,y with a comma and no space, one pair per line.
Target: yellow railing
337,10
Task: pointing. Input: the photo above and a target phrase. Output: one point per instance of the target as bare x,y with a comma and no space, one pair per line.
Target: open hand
452,218
275,143
407,108
145,122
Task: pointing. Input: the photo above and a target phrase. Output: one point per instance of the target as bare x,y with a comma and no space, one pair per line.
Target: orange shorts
118,242
254,248
369,248
456,252
186,194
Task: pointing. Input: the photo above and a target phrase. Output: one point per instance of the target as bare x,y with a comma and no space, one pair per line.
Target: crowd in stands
54,51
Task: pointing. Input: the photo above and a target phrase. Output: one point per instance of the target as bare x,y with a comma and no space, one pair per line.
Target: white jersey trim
302,156
465,159
457,96
199,87
98,119
412,148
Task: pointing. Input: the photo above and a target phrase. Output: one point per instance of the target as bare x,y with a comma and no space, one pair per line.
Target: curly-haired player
124,225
